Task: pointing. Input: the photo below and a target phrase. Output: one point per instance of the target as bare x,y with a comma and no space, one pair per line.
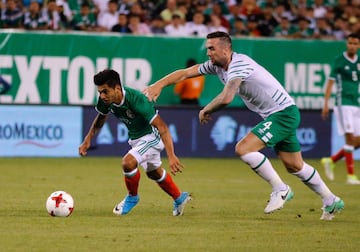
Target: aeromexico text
22,131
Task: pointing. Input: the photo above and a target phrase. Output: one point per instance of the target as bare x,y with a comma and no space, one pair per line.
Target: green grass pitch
226,213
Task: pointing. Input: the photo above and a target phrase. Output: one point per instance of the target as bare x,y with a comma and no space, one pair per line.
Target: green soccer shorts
279,130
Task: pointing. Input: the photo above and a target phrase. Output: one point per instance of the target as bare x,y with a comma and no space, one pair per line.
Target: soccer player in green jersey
345,74
263,94
148,135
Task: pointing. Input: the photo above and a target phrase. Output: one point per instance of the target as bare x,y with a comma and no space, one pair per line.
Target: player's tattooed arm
225,97
99,121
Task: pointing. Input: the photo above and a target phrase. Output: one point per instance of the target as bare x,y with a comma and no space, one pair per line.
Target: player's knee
128,164
155,174
293,167
240,150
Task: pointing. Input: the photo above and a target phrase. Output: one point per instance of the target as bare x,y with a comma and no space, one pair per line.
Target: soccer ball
60,204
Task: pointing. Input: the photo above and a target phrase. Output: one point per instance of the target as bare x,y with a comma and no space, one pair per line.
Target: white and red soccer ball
60,204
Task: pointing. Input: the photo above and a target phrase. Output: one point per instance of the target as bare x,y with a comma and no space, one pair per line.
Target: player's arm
328,89
153,91
94,129
221,100
165,135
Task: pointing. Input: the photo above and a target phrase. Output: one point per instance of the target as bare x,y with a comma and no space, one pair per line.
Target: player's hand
325,113
175,165
204,117
152,92
83,148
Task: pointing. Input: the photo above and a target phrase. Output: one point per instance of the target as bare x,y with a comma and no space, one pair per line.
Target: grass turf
226,213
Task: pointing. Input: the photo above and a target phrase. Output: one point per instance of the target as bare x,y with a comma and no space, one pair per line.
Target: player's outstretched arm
94,129
153,91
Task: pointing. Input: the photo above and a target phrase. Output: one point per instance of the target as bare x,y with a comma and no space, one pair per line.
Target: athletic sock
168,185
310,177
132,181
260,164
349,159
337,156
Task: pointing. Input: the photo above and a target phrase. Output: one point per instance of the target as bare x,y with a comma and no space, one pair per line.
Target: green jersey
346,73
280,31
88,21
135,111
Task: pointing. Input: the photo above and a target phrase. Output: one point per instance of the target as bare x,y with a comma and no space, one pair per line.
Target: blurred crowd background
299,19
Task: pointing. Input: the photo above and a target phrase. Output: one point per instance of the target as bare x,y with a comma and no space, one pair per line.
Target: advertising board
46,131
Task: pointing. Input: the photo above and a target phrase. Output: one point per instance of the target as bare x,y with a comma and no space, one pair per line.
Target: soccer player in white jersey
148,136
345,73
263,94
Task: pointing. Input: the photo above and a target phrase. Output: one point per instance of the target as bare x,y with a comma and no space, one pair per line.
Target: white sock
310,177
348,148
262,166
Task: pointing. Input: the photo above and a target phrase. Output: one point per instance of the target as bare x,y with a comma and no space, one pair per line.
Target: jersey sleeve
240,68
207,68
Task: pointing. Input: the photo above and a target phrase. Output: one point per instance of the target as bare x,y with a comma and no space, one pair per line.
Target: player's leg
269,133
152,165
130,162
289,152
310,177
131,174
248,151
349,159
167,184
165,181
132,178
347,119
147,154
329,162
352,142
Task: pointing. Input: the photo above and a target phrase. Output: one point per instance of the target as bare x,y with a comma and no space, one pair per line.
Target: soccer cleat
329,168
330,211
179,203
278,199
126,205
352,180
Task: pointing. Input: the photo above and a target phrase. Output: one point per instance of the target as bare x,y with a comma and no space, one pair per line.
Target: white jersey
259,89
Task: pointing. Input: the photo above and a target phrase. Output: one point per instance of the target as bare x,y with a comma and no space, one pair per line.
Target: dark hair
107,76
223,36
113,1
174,16
353,35
85,4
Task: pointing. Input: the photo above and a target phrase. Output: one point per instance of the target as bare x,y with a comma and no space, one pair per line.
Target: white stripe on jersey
259,89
